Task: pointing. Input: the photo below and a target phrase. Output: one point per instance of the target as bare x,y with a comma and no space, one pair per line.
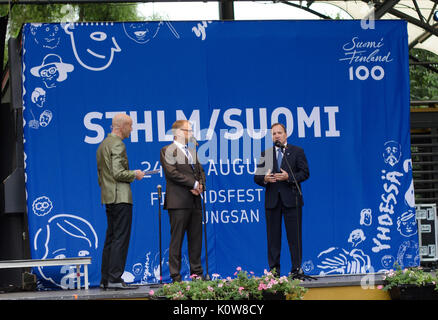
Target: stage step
346,287
346,293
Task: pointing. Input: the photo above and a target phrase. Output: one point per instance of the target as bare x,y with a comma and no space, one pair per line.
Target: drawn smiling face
46,34
142,32
392,152
49,74
92,44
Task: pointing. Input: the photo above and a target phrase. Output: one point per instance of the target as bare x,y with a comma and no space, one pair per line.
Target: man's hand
269,177
283,176
139,174
199,189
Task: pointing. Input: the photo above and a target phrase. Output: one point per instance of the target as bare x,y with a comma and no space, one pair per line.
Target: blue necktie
279,158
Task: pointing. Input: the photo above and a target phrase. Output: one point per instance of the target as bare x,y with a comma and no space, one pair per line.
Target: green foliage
424,82
243,287
413,276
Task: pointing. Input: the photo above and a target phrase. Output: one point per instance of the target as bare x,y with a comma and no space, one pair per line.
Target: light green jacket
113,171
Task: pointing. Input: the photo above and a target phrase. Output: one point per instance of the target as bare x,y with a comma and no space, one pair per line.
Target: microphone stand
207,276
203,199
155,285
299,275
159,231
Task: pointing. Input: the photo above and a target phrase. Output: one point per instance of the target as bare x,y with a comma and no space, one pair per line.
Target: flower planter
414,292
274,296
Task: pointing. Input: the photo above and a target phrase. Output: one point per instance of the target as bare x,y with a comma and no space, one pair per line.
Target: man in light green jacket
115,180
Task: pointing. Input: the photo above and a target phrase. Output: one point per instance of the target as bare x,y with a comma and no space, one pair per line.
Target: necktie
279,158
189,156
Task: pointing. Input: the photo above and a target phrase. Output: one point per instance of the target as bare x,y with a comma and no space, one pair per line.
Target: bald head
122,125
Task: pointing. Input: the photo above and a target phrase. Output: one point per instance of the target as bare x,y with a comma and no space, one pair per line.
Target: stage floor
143,291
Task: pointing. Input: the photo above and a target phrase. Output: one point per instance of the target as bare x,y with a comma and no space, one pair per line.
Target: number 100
363,73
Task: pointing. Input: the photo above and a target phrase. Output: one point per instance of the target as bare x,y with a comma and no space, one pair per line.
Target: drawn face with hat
52,70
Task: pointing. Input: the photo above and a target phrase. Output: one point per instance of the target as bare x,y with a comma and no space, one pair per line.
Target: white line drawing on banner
356,236
152,268
143,32
46,34
34,123
137,268
388,261
75,231
308,266
366,217
199,29
392,152
172,29
45,118
407,224
408,254
42,206
97,46
52,70
341,261
38,96
410,193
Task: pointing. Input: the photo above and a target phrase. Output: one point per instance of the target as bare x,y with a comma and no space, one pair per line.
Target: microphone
279,144
159,191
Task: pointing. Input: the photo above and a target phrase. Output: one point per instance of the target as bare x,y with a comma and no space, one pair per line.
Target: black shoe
199,277
296,273
120,286
103,284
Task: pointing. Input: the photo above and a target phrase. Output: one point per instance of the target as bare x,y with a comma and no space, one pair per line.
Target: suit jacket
284,191
180,178
113,171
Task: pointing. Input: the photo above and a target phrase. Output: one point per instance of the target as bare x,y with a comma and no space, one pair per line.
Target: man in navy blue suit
282,197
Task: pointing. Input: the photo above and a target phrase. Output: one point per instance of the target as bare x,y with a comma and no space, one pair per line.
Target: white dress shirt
183,148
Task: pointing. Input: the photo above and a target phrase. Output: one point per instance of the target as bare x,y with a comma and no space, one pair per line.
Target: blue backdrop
342,91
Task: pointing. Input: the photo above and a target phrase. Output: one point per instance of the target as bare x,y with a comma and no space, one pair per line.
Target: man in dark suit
282,198
115,179
185,181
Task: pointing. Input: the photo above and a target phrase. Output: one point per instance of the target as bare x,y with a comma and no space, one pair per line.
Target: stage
329,287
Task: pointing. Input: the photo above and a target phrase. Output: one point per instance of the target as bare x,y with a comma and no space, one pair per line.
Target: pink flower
262,286
194,276
210,288
240,289
220,285
380,287
151,292
239,269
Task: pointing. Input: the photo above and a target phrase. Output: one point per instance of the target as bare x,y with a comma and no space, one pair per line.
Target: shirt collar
179,145
114,135
285,146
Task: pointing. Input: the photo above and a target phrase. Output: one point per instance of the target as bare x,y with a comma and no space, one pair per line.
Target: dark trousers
182,221
292,223
115,249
